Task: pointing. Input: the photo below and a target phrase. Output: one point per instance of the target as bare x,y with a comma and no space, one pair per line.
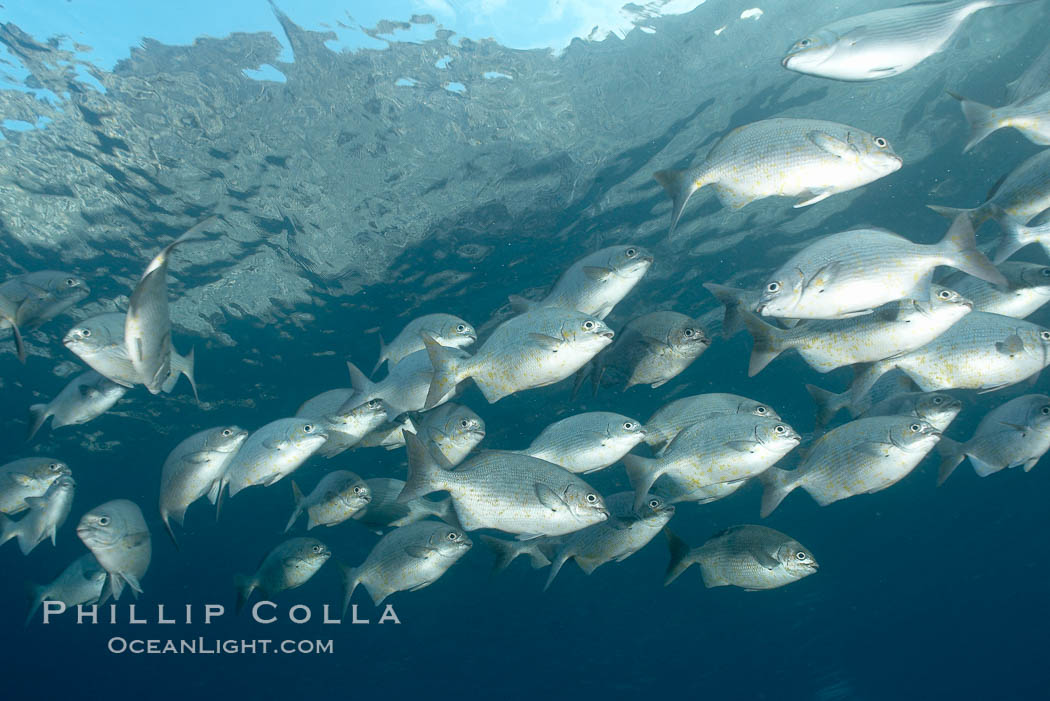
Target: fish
147,324
506,551
337,497
26,478
671,418
594,284
406,559
86,397
587,442
46,515
981,351
807,159
595,545
406,387
751,557
829,404
734,301
385,511
289,565
30,299
116,534
852,272
652,349
534,349
448,330
861,457
892,329
721,448
1014,433
509,492
883,43
99,342
349,424
936,408
271,453
1014,202
80,583
1028,289
452,430
195,468
1030,116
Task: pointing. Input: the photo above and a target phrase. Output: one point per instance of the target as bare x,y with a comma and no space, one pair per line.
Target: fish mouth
606,334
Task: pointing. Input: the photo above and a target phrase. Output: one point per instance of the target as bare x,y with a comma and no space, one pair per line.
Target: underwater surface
418,169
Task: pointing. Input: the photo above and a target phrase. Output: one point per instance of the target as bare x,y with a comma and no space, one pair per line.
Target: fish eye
308,428
801,555
85,332
760,410
592,498
359,490
881,142
373,404
689,332
804,43
227,432
1045,335
915,428
938,400
461,328
628,425
317,548
588,324
1045,272
70,282
945,294
780,429
55,466
631,252
453,536
1045,411
654,503
773,287
103,520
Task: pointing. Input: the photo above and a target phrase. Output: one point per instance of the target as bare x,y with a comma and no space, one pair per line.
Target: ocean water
425,170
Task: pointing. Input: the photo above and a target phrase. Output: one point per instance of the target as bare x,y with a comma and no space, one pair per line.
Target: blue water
923,592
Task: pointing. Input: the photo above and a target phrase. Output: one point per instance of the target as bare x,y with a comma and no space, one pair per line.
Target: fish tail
680,186
1017,235
446,371
245,585
977,215
952,455
733,301
642,473
186,368
297,495
38,414
382,354
828,403
506,551
424,474
351,578
776,484
769,342
560,560
959,247
171,533
680,560
8,529
865,378
983,120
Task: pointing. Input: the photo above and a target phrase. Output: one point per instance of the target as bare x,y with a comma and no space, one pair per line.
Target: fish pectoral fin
1011,345
132,581
436,436
873,448
418,551
274,444
89,392
767,560
548,343
656,345
198,458
596,273
993,388
20,478
820,280
1016,427
35,502
549,498
1029,464
831,145
811,197
741,446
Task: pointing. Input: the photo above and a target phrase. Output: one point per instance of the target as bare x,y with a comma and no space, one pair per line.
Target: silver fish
936,408
535,349
718,449
670,419
99,342
117,535
882,43
601,543
453,431
510,492
350,423
147,325
982,351
448,330
1012,434
650,350
594,284
289,565
1030,116
26,478
808,159
861,457
273,452
385,511
406,386
853,272
81,582
1028,289
407,559
587,442
826,344
46,515
1014,202
751,557
195,468
337,497
735,301
829,404
30,299
86,397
